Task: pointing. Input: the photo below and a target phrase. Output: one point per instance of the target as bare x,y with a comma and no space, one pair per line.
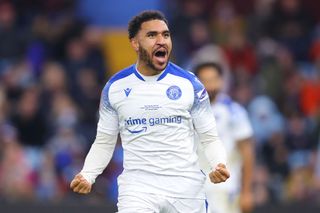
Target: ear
135,44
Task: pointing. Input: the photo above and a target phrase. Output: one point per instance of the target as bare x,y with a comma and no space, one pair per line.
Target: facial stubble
146,58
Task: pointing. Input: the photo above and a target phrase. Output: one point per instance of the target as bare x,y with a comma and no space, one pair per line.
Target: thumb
221,165
78,176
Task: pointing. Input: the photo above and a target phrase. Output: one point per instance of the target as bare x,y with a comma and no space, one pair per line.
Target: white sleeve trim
99,156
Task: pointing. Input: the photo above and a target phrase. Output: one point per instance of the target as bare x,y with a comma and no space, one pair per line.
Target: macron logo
127,91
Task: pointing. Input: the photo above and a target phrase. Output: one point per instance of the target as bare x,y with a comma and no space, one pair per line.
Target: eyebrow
156,32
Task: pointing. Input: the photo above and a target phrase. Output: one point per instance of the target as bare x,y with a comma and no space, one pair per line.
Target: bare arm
246,149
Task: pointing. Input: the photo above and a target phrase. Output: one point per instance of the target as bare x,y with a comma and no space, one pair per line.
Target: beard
147,59
212,95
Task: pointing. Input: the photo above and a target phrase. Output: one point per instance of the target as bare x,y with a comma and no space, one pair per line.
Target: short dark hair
197,69
136,22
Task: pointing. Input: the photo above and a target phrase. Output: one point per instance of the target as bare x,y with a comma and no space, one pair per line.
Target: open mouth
160,53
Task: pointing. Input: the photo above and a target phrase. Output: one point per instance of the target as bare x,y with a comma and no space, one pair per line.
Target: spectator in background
63,112
35,97
65,151
236,132
299,140
229,31
15,78
3,119
240,54
81,50
76,53
3,108
300,186
27,118
184,25
66,146
309,93
87,97
271,151
302,149
258,19
93,37
224,18
16,177
48,186
316,167
260,185
53,82
12,41
265,118
291,25
277,64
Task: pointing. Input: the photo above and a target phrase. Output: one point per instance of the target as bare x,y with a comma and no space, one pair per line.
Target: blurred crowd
52,70
51,74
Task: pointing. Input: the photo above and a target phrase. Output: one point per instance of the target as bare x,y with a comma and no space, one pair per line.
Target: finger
220,176
88,189
221,165
224,172
84,180
76,180
79,187
213,178
78,175
85,190
74,183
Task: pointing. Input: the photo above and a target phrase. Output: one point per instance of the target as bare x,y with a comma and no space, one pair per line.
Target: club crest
174,92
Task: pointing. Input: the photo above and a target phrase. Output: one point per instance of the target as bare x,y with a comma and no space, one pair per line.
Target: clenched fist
220,174
80,185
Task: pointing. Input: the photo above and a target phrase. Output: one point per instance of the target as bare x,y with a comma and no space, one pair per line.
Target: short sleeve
108,117
240,123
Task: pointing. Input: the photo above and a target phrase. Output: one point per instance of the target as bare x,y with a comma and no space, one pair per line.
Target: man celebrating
236,133
156,107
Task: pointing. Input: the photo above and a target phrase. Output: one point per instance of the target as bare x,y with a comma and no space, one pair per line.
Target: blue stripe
137,74
206,203
178,71
165,72
120,75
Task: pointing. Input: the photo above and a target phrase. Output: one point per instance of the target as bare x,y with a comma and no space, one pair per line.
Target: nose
160,39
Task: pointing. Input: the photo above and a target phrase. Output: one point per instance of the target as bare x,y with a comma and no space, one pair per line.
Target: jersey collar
150,78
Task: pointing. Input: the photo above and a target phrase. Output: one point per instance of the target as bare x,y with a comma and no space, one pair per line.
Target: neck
213,100
146,70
